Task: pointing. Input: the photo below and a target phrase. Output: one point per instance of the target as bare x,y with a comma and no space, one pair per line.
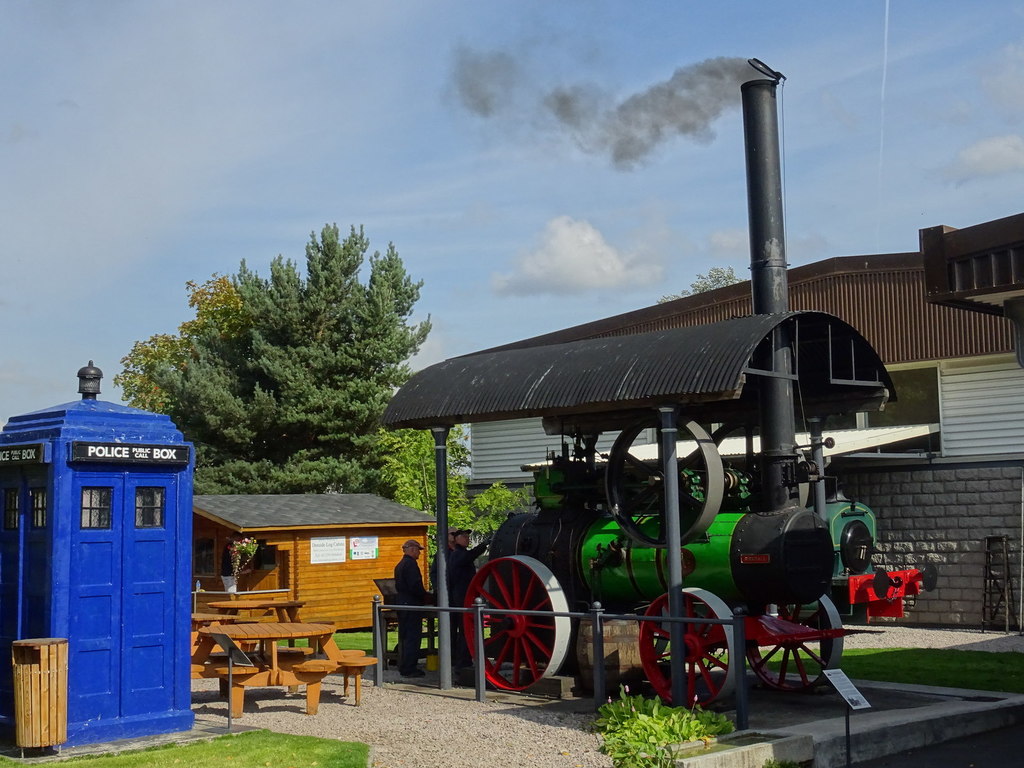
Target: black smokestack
770,288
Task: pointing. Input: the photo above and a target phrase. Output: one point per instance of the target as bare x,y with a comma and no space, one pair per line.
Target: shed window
202,558
266,556
10,509
96,507
149,507
37,497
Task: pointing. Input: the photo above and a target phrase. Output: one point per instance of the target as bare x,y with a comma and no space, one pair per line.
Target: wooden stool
352,668
317,669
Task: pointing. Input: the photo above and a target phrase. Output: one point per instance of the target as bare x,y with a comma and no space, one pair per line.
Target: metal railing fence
597,615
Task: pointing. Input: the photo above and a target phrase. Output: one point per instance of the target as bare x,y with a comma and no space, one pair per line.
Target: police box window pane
96,507
10,509
149,507
202,558
38,498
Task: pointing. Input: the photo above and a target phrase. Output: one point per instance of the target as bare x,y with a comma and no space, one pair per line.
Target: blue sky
145,144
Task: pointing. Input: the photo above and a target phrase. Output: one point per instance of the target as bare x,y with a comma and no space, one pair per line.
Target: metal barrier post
380,646
597,626
738,657
478,631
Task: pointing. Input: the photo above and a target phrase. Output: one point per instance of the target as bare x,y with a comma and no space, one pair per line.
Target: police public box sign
130,453
21,454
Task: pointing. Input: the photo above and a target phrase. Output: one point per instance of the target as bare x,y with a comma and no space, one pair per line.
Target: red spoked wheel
790,651
708,671
519,650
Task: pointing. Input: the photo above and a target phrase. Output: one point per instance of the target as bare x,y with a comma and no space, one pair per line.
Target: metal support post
738,656
673,552
478,642
380,643
597,624
444,631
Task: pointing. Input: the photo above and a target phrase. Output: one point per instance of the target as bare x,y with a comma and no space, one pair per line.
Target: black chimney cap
89,381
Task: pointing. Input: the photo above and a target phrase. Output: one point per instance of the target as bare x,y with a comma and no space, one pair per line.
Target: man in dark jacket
461,569
410,591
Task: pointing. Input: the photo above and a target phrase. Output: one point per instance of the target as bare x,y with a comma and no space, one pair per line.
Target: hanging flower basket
242,552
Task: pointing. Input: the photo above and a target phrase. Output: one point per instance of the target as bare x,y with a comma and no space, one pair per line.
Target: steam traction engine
597,535
689,537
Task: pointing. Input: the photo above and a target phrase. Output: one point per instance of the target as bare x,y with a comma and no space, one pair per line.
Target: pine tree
288,401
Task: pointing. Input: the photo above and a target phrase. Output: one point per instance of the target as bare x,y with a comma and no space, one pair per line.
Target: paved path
1002,748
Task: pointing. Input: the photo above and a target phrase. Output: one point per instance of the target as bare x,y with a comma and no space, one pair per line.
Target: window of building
10,509
149,507
917,392
203,563
37,499
266,556
96,507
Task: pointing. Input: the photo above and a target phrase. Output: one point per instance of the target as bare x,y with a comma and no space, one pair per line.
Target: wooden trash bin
40,691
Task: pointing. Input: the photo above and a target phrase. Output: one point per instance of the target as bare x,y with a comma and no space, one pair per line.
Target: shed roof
306,510
603,383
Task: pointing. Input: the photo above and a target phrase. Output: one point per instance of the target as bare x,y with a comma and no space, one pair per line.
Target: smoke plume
626,130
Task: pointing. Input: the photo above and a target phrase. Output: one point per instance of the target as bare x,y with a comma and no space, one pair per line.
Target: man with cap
461,569
410,591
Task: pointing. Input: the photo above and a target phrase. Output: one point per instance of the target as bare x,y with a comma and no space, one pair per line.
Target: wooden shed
324,550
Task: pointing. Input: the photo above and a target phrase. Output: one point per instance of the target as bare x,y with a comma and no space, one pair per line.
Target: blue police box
95,543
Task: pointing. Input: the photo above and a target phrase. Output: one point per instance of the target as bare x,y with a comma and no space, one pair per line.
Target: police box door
121,597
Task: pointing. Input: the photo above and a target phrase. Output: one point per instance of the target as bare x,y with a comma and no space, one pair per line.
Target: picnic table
274,666
206,619
287,610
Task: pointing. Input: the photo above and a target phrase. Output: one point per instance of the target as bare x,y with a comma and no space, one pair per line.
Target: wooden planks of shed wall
343,592
339,592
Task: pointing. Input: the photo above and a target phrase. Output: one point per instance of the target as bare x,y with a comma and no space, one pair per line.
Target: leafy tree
218,308
409,478
409,469
716,277
282,392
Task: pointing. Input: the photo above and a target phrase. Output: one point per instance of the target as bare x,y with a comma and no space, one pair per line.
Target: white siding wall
982,408
499,448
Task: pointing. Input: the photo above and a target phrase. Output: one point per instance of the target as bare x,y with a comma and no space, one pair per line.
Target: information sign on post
847,689
854,700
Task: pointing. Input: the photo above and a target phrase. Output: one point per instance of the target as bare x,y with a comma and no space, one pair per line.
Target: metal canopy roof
603,384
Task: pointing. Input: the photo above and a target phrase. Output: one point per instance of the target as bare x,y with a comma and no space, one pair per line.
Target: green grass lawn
361,640
934,666
252,749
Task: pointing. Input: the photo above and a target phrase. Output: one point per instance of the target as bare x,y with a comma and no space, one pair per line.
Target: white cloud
1004,84
573,257
729,245
994,156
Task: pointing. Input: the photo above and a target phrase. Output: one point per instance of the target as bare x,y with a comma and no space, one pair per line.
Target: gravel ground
420,728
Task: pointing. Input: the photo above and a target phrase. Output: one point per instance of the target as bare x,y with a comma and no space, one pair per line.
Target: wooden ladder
998,604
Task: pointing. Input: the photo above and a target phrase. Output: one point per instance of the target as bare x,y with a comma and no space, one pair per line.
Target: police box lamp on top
89,381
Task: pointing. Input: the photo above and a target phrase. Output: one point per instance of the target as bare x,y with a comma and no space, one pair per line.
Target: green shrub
638,732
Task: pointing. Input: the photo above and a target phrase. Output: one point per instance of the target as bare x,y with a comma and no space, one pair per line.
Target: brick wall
941,513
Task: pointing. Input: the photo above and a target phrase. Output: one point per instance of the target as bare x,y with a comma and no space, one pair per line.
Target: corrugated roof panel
606,375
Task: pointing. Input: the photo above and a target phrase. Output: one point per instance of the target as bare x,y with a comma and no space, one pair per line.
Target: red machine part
519,650
791,650
884,596
706,665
